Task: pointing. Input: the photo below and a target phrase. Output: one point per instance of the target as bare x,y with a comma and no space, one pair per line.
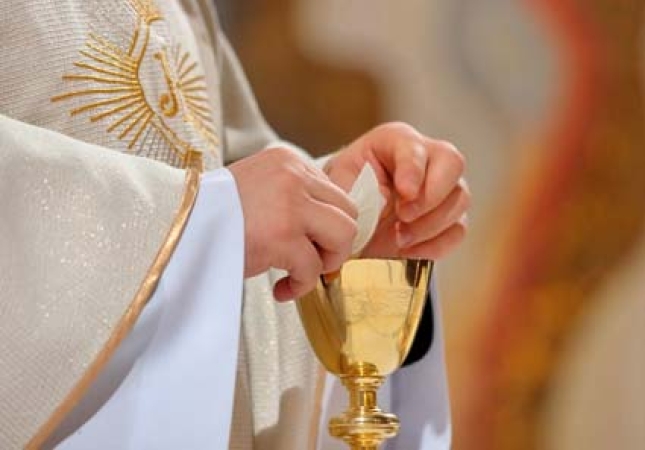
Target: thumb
342,173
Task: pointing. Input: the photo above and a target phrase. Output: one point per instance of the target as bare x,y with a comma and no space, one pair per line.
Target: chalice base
364,426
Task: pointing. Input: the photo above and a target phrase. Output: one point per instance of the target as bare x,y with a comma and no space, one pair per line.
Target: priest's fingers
304,265
445,169
440,246
397,154
333,231
410,162
401,150
436,221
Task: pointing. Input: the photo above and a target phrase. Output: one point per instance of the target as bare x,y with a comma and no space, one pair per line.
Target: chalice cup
361,323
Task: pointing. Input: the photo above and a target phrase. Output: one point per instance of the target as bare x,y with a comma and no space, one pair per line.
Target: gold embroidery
146,9
192,88
167,101
112,79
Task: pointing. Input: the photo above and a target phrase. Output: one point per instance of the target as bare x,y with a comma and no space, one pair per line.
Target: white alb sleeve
180,360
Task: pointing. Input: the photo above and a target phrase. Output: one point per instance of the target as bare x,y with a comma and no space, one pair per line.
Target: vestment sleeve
85,234
171,384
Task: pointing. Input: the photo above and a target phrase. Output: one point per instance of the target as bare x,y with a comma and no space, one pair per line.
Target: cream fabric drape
80,229
180,377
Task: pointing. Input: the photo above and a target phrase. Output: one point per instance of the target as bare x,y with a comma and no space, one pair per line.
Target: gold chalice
361,323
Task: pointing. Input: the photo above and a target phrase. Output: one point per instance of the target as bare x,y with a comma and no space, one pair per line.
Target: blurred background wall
545,302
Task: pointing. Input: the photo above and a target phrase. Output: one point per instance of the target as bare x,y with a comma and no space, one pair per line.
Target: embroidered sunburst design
192,87
147,116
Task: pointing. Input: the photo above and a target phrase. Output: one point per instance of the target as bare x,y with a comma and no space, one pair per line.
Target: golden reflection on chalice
361,323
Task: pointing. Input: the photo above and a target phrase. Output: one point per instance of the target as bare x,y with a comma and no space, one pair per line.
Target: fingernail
403,238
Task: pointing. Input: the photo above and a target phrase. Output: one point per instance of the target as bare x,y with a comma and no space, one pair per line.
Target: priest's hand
295,219
421,178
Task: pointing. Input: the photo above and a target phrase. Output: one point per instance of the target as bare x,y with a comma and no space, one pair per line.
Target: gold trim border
130,316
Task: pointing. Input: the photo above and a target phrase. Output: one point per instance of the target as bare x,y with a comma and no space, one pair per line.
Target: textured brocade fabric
129,75
283,370
80,228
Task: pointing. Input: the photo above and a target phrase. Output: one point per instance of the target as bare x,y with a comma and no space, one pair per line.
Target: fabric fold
80,229
179,393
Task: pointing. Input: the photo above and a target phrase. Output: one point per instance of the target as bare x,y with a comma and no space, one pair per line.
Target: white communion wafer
368,199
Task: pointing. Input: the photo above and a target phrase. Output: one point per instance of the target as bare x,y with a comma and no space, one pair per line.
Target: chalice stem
364,426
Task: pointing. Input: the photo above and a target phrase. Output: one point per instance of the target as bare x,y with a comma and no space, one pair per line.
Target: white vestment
120,276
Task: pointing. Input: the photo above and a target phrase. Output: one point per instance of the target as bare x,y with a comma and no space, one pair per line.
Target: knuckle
292,184
310,264
398,127
460,229
273,154
279,152
459,161
306,286
447,242
298,287
468,201
456,157
463,184
442,249
316,267
351,231
332,262
347,230
466,198
303,267
290,174
352,211
285,161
